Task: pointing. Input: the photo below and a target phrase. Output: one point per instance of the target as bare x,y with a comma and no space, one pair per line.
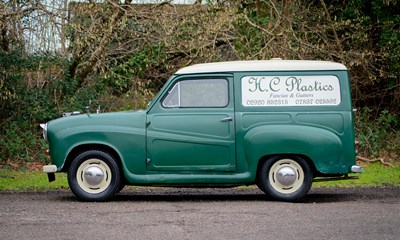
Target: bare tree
34,25
107,34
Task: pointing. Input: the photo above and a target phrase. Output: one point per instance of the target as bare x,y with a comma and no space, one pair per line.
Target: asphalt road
170,213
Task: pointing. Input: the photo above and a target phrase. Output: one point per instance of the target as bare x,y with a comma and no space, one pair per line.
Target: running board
344,177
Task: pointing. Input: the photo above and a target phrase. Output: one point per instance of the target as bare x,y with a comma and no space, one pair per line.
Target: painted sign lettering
290,90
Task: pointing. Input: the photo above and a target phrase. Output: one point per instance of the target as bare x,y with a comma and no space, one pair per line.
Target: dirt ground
191,213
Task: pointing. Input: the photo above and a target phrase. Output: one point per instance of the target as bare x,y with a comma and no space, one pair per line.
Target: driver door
191,127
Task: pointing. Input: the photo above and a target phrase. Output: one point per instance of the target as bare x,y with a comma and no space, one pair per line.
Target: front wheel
286,178
94,176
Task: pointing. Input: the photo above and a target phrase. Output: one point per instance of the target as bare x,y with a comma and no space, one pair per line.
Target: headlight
44,127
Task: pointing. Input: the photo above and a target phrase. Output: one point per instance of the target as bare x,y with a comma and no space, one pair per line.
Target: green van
276,123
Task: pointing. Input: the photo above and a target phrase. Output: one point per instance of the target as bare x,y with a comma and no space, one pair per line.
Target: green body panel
221,145
289,139
124,132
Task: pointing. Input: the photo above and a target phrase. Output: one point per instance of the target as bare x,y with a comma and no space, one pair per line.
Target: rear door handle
227,119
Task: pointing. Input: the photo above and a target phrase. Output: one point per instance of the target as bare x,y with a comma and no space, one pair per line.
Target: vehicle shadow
315,196
229,195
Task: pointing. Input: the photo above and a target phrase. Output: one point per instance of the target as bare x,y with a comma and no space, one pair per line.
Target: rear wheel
286,178
94,176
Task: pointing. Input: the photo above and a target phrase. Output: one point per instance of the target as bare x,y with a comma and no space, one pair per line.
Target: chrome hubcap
286,176
94,175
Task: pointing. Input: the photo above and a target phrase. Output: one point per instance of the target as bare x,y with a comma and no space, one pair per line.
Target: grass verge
375,175
30,181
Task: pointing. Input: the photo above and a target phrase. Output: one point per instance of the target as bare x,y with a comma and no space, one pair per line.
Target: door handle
227,119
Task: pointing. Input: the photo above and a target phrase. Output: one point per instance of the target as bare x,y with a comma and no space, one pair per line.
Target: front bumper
50,170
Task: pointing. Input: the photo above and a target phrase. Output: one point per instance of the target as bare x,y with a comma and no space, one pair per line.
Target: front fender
129,145
124,132
323,147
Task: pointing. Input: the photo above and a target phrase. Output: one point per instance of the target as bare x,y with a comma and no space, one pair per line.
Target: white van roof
261,65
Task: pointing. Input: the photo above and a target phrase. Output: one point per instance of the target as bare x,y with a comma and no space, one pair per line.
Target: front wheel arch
87,147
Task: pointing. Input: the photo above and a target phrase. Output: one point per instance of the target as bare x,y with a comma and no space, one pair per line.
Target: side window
198,93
